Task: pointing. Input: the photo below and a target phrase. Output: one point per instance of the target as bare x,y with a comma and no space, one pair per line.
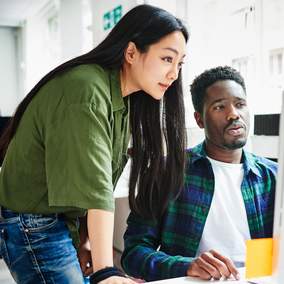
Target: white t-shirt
226,227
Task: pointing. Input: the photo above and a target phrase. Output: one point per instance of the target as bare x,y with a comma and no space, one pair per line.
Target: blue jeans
38,249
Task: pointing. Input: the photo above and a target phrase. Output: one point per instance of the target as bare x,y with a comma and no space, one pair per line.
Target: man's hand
212,265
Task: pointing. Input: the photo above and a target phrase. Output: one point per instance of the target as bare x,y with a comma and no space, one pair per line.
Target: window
241,64
276,62
53,36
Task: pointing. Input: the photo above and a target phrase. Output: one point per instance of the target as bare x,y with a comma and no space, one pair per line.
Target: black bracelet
105,273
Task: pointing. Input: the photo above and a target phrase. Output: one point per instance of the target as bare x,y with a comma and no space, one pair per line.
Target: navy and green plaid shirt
164,249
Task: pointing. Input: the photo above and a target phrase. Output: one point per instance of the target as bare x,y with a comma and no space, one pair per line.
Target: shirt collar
198,152
115,89
249,161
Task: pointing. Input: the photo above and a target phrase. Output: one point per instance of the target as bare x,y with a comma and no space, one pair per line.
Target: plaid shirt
164,249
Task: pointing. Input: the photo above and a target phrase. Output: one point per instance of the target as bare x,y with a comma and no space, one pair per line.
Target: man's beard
237,144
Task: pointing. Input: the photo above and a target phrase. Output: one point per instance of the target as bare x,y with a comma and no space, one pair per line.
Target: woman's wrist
105,273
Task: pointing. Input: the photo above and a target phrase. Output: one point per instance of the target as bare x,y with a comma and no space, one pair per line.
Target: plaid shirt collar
249,161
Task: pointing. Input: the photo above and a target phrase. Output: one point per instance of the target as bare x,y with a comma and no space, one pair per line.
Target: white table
192,280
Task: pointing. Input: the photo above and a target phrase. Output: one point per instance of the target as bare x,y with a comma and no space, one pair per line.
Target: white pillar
71,28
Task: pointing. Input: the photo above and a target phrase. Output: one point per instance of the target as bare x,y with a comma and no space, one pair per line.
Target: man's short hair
209,77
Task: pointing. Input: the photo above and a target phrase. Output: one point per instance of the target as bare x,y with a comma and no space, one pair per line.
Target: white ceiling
13,12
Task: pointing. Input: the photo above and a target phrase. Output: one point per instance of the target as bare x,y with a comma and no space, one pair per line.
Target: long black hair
158,150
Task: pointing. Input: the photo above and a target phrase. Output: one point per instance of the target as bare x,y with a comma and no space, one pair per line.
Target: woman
66,146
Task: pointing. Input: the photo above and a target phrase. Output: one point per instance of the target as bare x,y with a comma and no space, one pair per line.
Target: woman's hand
84,249
85,258
212,265
100,231
117,280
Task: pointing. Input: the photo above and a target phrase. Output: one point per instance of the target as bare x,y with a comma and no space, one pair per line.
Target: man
227,198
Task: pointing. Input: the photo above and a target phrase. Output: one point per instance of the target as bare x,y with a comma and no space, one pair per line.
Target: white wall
71,27
54,33
268,95
170,6
222,30
99,8
9,75
42,49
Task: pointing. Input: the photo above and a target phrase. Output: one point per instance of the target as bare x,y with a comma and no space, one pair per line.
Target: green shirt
70,146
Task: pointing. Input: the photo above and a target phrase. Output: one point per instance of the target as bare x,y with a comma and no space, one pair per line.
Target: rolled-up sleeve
79,158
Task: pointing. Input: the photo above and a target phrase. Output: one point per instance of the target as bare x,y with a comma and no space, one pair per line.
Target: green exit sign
110,18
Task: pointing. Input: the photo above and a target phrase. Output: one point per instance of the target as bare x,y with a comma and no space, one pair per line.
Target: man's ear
130,52
198,119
